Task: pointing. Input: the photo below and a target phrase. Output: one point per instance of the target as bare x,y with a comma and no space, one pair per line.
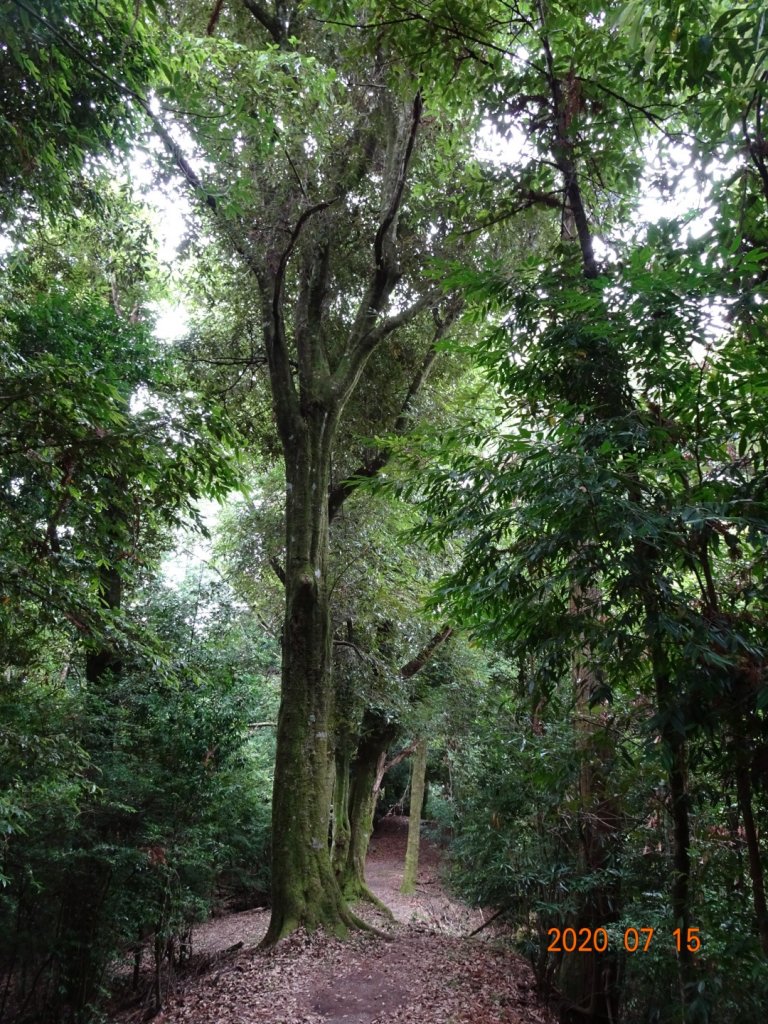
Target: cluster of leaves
520,812
116,705
101,455
613,522
68,77
103,846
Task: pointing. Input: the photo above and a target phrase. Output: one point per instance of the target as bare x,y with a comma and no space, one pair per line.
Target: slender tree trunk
744,794
677,766
89,877
677,773
418,778
681,856
341,822
590,981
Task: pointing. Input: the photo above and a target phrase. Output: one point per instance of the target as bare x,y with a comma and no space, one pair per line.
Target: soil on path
428,973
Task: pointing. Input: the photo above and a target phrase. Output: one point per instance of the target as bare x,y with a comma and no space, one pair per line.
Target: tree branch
562,151
365,334
528,197
277,569
266,20
350,368
279,282
490,920
398,757
214,19
390,216
378,460
362,655
385,327
283,387
756,146
425,654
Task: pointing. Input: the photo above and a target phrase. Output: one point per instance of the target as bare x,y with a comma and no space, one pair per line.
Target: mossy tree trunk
418,779
376,734
310,387
304,888
341,824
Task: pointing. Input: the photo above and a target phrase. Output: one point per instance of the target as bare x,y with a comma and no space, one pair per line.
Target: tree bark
418,778
376,735
341,825
305,891
744,795
674,742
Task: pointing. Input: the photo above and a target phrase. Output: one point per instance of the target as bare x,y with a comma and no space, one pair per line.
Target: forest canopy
457,457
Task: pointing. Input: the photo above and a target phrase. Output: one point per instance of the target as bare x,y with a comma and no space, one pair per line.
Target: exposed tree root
346,921
360,891
371,897
364,926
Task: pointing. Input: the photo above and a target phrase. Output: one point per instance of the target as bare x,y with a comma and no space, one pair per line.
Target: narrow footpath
429,973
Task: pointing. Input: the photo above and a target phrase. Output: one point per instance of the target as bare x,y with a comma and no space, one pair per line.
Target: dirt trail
427,974
429,904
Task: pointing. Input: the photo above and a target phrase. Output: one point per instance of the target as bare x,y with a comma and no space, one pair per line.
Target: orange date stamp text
635,940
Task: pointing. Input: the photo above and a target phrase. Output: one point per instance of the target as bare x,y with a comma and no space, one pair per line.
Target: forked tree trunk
418,778
376,734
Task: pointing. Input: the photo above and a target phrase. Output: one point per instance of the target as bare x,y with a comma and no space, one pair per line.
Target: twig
490,920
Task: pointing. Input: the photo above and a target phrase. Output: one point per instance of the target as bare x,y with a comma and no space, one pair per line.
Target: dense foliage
489,431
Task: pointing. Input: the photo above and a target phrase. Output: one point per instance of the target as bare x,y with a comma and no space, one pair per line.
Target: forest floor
430,972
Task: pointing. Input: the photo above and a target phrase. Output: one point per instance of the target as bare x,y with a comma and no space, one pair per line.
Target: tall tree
316,149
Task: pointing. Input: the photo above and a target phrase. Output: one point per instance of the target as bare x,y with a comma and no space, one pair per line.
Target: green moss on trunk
341,823
305,891
418,778
376,734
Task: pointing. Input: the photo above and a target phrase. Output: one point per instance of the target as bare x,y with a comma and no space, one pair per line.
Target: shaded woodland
445,492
